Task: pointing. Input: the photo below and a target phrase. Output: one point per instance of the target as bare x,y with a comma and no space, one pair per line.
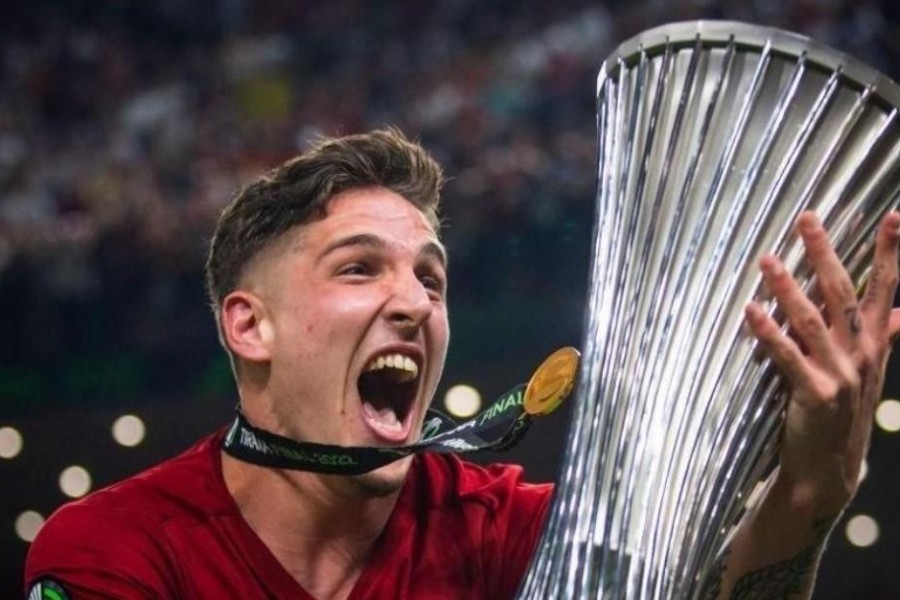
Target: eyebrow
432,248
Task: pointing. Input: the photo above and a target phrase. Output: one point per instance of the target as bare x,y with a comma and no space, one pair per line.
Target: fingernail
893,215
754,311
810,221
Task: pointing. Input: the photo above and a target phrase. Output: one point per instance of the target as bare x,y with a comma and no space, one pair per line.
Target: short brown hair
298,191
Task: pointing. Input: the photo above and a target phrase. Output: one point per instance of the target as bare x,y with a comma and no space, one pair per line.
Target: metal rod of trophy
713,137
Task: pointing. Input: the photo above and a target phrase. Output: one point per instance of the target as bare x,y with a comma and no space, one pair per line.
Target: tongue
383,420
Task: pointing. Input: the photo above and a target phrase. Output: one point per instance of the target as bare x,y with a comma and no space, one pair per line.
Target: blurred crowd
126,126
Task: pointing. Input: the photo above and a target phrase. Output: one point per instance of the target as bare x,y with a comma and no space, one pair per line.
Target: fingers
832,365
833,281
828,343
882,284
804,317
784,351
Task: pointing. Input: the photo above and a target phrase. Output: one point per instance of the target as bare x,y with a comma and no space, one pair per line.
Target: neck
321,528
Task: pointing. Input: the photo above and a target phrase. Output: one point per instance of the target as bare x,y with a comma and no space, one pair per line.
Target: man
328,281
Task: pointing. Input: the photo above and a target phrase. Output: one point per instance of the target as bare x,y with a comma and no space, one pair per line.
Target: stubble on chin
385,481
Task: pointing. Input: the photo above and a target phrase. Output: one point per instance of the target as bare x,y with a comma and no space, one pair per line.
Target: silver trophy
713,137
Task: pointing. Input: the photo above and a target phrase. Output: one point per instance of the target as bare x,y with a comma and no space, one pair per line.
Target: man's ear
246,327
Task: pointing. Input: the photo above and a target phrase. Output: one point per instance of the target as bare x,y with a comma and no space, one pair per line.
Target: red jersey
459,531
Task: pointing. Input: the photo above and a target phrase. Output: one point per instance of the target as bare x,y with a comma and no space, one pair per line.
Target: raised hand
834,362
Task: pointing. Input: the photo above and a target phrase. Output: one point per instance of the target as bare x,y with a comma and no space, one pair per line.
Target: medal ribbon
501,425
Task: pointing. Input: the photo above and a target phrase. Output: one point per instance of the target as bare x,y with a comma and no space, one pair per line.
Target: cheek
332,317
440,336
442,327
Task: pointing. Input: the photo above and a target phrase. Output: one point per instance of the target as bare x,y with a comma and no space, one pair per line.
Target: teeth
396,361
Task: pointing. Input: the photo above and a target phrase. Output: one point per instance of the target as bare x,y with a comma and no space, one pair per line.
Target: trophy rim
716,33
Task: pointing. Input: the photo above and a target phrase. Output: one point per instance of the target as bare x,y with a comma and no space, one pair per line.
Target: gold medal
552,382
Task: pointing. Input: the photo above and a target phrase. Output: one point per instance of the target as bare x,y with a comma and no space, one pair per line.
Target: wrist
807,500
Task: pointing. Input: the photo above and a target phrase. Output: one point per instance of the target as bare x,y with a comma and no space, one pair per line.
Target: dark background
125,126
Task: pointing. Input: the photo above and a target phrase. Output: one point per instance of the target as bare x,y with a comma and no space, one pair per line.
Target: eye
356,269
433,284
429,282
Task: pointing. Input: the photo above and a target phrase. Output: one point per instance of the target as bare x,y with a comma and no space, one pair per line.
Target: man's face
357,326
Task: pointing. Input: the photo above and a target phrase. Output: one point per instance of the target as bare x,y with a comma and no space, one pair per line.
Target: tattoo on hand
852,315
874,282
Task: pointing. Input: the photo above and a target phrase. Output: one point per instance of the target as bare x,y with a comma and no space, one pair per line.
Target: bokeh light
10,442
28,524
462,401
129,430
887,415
75,481
862,531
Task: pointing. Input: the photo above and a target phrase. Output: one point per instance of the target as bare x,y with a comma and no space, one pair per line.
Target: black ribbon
500,426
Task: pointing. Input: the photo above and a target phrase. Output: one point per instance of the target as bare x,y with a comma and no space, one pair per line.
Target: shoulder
85,544
447,478
121,528
188,484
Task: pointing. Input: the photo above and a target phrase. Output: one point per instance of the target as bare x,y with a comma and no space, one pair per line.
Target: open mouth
388,388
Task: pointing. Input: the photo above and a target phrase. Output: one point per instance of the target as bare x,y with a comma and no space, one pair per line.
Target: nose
409,305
